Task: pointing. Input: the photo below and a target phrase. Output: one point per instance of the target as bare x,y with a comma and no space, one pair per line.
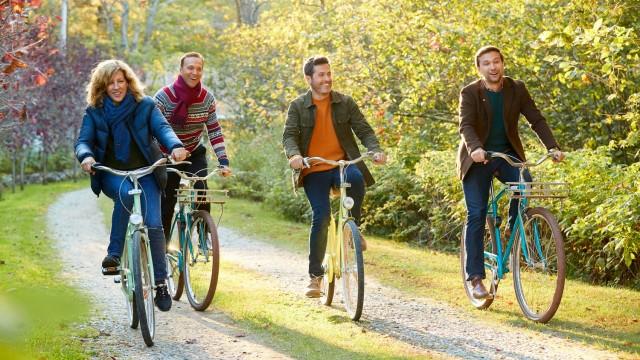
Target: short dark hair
307,68
487,49
191,54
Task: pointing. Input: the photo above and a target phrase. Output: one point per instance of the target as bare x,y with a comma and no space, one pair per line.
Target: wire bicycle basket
538,190
190,195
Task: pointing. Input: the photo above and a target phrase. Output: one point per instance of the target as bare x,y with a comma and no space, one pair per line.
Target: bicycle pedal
117,279
111,271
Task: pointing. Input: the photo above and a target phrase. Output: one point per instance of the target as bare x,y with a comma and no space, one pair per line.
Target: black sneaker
110,265
162,299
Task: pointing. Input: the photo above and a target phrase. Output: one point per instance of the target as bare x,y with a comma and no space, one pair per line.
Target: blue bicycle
537,260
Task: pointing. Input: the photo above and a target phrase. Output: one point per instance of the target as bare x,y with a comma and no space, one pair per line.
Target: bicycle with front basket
136,267
193,251
343,258
535,250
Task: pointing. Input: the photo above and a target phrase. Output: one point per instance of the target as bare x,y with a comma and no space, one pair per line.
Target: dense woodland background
403,61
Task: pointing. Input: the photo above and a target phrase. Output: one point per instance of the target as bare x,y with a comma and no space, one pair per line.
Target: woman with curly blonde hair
120,129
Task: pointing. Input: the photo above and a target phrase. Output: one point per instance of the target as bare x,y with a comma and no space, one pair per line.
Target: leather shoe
479,291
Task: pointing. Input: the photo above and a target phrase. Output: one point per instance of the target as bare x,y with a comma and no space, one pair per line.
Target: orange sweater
324,141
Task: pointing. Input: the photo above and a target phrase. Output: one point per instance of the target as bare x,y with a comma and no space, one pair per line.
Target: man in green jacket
489,112
322,123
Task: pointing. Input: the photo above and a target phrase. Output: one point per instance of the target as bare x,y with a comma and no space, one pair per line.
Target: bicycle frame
334,243
501,258
185,218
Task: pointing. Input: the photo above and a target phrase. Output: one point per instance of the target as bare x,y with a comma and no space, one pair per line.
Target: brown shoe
313,289
479,291
363,243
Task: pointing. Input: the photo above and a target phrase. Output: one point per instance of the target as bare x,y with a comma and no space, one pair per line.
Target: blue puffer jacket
147,125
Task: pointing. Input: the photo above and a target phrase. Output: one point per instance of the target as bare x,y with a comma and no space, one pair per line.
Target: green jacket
347,120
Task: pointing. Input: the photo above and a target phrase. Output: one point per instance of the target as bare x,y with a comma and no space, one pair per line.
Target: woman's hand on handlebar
296,162
556,155
225,171
379,158
86,165
179,154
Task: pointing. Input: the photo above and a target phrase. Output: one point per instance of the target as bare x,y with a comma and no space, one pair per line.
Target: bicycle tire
353,270
539,276
328,282
143,289
490,244
132,311
175,261
201,266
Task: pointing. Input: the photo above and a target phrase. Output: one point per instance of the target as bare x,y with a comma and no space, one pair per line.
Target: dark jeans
198,167
476,185
117,188
317,187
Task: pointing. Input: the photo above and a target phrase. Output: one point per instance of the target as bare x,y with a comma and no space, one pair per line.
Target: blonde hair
101,77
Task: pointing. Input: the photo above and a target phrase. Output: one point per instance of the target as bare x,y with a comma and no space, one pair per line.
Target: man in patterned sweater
188,105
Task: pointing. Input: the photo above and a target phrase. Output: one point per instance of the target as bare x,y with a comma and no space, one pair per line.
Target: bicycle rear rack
540,190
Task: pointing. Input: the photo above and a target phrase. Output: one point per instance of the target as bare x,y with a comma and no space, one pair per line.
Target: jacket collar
308,99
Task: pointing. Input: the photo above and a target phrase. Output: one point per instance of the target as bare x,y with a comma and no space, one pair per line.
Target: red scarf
186,96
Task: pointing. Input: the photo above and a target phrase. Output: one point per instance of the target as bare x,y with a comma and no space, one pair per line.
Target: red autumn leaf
15,65
40,80
7,57
35,3
58,17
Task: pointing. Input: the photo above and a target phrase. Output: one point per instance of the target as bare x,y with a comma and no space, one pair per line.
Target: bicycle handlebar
307,161
519,164
183,175
131,173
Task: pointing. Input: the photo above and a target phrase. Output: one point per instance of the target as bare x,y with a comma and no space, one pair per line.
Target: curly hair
101,77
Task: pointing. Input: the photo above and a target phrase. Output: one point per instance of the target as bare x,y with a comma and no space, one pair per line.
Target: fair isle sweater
203,111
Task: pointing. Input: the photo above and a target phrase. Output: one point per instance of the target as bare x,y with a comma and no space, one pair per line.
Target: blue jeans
317,187
476,185
115,188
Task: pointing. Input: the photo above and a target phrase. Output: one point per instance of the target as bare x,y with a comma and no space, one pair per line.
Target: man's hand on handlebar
225,171
556,155
379,158
295,162
479,155
86,165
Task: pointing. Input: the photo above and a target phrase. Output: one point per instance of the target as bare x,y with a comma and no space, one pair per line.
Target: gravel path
422,323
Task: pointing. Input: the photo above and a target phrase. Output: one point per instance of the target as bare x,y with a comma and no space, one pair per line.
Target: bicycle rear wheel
175,261
352,270
143,292
489,245
328,281
132,311
539,265
202,261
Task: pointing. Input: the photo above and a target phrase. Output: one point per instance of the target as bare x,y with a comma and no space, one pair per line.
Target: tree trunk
63,26
44,166
124,26
13,171
151,16
23,161
104,11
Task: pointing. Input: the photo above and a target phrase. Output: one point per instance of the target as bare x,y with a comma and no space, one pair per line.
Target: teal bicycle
136,268
193,251
534,252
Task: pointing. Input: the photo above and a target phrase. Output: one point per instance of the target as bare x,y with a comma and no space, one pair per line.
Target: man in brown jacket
489,113
322,123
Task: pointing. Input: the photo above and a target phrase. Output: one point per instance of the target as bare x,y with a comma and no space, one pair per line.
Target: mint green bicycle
136,268
534,252
193,251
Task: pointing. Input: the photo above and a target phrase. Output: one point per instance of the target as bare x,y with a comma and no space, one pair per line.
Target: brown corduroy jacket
475,120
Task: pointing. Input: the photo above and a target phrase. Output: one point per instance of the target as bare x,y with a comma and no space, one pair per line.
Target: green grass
604,316
38,310
297,326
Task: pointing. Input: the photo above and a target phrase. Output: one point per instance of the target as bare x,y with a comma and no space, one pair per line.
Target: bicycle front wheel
352,270
143,286
175,261
202,261
539,265
125,279
489,245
